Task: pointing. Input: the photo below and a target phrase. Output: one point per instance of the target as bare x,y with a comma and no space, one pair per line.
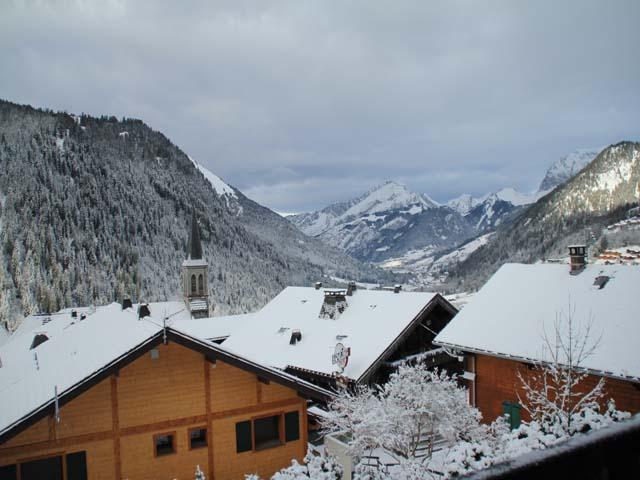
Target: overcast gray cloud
302,103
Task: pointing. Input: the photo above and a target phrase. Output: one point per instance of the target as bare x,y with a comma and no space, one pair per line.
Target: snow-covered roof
213,328
509,315
372,320
78,349
74,350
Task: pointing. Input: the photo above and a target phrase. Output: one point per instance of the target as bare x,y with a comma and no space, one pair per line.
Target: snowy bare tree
199,474
556,391
405,416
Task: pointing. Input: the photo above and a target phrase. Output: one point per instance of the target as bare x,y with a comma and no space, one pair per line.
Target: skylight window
601,281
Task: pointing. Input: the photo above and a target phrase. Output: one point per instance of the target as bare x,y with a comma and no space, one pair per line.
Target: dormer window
39,339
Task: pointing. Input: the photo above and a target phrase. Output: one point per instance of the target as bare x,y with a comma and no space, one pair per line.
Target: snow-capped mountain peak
389,196
463,204
567,166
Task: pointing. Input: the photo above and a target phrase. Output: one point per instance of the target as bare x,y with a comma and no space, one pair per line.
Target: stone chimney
351,288
578,258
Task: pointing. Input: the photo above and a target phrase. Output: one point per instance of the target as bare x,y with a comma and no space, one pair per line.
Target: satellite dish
341,356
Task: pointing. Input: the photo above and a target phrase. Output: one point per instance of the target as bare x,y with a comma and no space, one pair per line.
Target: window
512,410
42,469
201,284
9,472
266,432
243,437
197,437
164,444
193,284
77,466
291,426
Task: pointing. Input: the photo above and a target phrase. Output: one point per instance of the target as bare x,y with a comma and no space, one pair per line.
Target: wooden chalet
501,331
129,391
303,331
113,396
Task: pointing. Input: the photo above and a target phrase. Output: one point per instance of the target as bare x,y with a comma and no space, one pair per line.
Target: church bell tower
195,275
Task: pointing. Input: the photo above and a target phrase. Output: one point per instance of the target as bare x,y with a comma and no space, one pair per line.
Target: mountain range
577,211
95,209
409,232
389,221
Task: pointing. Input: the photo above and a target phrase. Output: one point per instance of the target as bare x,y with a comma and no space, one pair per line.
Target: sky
303,103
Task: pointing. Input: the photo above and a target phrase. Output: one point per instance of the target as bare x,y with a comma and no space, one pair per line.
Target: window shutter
291,426
513,411
77,466
243,436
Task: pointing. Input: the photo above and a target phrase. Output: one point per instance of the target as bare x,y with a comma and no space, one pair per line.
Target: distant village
166,390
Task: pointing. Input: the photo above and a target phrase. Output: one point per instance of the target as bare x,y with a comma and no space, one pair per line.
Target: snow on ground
426,267
462,252
459,300
216,182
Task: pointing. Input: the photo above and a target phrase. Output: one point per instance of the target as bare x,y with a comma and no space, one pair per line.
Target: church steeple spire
195,274
195,247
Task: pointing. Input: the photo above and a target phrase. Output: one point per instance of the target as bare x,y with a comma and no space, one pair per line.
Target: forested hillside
94,209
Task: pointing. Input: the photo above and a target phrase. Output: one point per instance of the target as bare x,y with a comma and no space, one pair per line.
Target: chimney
397,288
126,303
143,311
335,302
578,258
296,336
318,285
74,314
351,288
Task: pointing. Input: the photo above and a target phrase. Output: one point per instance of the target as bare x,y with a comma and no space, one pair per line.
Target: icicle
57,405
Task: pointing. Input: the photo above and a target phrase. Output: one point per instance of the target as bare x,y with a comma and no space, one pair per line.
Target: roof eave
518,358
437,300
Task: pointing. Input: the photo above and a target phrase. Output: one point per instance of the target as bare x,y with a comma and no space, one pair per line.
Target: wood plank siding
497,381
116,420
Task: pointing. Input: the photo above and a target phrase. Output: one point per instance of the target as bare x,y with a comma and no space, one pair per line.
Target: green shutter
513,411
243,437
291,426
